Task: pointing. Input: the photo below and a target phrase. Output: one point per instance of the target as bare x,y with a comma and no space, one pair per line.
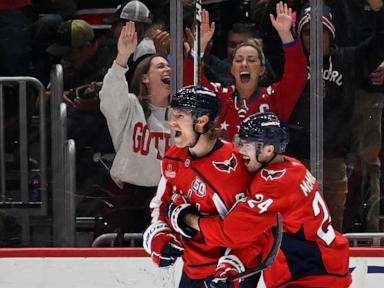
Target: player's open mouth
246,159
166,80
245,76
177,134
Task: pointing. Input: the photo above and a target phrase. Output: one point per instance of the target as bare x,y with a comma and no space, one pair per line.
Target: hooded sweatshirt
342,72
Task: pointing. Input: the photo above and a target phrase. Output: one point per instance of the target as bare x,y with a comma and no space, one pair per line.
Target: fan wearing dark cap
139,13
85,60
343,70
73,36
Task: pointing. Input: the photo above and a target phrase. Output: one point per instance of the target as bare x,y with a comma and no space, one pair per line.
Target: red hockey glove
176,210
228,265
162,244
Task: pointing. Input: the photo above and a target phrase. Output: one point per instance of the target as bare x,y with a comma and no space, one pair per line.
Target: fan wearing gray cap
139,13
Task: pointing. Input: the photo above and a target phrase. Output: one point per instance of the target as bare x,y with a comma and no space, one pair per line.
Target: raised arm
126,44
206,30
116,103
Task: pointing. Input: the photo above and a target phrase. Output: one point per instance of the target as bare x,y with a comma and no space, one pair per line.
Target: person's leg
367,122
335,189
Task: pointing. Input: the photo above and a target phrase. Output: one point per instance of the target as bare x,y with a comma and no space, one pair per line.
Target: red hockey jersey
213,184
280,98
312,253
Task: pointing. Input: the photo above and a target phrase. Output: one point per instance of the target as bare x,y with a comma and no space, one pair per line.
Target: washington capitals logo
227,165
272,174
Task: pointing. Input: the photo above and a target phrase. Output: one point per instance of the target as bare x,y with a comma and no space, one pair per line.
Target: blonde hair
257,44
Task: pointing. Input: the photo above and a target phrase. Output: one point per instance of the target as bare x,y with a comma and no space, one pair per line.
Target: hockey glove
176,210
162,244
228,265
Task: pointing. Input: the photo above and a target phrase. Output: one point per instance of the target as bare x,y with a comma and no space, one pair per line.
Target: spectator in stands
85,61
137,116
49,15
139,13
343,69
218,70
363,205
248,65
366,145
83,57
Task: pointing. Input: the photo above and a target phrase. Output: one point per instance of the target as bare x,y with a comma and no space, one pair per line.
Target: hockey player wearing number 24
312,253
206,171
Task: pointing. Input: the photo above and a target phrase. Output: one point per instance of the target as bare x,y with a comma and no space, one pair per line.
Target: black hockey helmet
265,128
198,99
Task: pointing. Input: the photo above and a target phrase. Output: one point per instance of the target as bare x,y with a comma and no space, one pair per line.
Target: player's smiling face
182,126
248,151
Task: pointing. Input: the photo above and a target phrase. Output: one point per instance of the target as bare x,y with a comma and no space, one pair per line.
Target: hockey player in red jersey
312,253
206,171
246,97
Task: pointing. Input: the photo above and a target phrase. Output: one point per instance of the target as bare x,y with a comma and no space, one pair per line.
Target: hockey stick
278,234
196,44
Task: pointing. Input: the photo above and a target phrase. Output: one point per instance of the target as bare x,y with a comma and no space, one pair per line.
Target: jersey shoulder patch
227,165
269,175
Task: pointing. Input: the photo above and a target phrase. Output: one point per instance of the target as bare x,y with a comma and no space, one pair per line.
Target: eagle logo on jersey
199,187
227,165
272,174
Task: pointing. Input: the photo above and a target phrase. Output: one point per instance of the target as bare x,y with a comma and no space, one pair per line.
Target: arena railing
365,239
22,202
63,166
111,239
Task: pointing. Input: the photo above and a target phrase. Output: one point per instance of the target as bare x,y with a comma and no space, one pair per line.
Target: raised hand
188,40
375,4
126,44
161,40
283,22
377,77
206,30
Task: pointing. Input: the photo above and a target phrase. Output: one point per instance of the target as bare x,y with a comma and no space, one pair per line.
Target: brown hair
137,85
255,43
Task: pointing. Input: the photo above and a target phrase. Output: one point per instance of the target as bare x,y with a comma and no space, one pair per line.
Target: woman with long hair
138,122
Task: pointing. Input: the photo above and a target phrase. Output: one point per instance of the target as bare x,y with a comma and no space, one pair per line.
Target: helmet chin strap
196,133
196,140
195,121
264,163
